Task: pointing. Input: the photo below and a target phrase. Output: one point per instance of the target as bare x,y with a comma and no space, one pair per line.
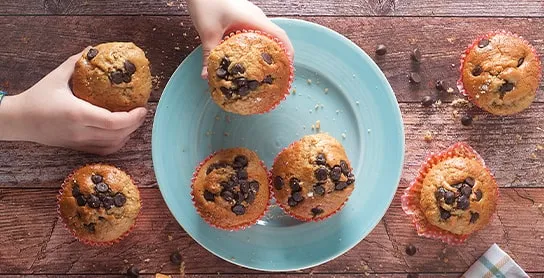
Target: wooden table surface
36,36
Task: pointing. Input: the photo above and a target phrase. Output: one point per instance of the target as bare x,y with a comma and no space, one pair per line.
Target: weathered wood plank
34,241
507,145
26,55
525,8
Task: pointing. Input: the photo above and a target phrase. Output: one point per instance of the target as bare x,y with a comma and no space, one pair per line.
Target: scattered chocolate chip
119,199
102,187
410,250
101,196
344,167
458,185
225,63
466,190
319,189
479,195
321,174
92,53
483,43
267,58
440,193
208,196
463,202
210,169
221,73
227,195
439,85
320,159
239,197
126,77
278,183
416,55
341,185
477,70
297,196
291,202
381,50
470,181
254,186
244,186
444,214
250,197
226,92
108,202
240,161
294,183
75,191
268,79
176,258
242,174
466,120
93,201
336,172
474,217
90,227
449,197
133,272
129,67
81,200
351,179
506,87
116,77
96,179
520,61
253,84
238,209
243,91
237,69
414,77
316,211
427,101
240,82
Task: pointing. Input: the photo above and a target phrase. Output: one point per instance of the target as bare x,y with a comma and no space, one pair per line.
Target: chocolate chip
227,195
81,200
176,258
238,209
237,69
102,187
294,183
242,174
477,70
244,186
427,101
278,183
116,77
93,201
479,195
336,172
226,92
240,161
410,250
506,87
319,189
267,58
291,202
297,196
90,227
474,217
208,196
101,196
75,191
458,185
239,197
444,214
92,53
344,167
416,55
466,190
126,77
351,179
133,272
483,43
470,181
96,179
108,202
463,202
381,50
129,67
439,85
268,79
414,77
253,84
520,61
225,63
254,186
341,185
316,211
321,174
250,197
449,197
243,91
320,159
240,82
119,199
440,193
221,73
466,120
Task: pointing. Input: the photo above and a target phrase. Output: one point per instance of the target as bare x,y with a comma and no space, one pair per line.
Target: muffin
115,76
500,73
453,196
312,178
230,189
99,204
249,73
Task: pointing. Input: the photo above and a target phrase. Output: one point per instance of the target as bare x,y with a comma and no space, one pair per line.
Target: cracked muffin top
501,73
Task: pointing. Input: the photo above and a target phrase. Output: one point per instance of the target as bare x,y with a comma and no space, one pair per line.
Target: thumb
208,43
66,69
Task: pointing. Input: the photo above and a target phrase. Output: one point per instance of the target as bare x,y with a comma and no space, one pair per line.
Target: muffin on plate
114,75
230,189
312,178
453,196
500,73
249,73
99,204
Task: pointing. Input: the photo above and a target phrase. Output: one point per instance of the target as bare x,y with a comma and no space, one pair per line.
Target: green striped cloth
2,94
495,263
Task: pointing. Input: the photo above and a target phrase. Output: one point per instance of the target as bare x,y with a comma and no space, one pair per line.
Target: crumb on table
428,137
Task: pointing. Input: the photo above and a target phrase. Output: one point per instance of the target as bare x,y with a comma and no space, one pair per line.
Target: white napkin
495,263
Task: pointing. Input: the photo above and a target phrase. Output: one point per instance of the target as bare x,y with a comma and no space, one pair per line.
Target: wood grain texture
34,241
168,40
460,8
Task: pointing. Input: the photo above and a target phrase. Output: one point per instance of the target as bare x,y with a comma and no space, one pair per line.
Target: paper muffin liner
411,197
460,83
285,207
239,227
86,241
291,68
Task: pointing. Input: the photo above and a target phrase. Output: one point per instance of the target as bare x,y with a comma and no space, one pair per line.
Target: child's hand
212,18
48,113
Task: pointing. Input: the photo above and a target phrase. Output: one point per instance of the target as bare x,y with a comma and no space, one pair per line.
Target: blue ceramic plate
337,84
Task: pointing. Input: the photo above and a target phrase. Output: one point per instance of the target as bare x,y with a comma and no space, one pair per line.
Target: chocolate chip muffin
99,204
249,73
115,76
312,178
500,73
230,189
